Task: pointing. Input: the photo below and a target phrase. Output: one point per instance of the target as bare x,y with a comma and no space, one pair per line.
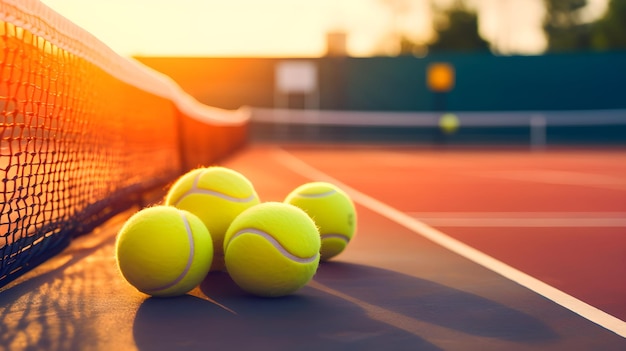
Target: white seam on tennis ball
326,193
216,193
196,190
196,180
189,260
335,236
276,244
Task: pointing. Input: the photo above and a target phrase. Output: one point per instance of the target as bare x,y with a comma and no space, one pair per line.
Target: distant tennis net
85,133
534,128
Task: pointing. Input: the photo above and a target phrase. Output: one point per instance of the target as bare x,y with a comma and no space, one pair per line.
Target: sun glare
290,28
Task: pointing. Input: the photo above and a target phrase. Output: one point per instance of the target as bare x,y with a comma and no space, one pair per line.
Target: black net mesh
78,143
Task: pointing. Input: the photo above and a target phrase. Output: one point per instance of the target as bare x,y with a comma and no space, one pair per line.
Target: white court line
573,304
522,219
561,178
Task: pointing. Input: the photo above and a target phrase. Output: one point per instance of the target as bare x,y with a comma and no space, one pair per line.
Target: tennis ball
449,123
333,212
163,251
272,249
216,195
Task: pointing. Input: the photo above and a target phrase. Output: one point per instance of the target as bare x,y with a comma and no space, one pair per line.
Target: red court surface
455,250
559,216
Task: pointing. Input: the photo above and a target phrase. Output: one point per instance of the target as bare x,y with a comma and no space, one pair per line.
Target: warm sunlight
295,28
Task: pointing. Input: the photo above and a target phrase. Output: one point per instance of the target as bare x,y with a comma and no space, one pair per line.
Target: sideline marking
522,219
573,304
561,178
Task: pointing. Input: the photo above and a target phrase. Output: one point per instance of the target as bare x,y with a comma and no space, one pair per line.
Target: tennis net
86,133
536,129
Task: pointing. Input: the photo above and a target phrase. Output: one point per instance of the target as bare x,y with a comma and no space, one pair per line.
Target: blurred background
361,28
516,71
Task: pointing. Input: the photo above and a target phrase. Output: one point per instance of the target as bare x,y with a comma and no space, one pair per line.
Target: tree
564,27
410,47
457,30
398,41
609,33
455,27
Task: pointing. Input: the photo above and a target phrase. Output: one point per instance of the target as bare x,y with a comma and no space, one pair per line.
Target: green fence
483,82
488,83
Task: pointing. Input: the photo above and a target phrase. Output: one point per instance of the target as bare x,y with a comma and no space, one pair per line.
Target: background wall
483,82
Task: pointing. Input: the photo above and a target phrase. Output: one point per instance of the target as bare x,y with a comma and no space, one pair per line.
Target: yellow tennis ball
272,249
333,212
449,123
163,251
216,195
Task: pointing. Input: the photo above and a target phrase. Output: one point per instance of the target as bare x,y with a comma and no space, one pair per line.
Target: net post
300,77
538,135
280,116
312,105
182,152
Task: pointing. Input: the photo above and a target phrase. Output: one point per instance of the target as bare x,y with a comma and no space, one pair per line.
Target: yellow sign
440,77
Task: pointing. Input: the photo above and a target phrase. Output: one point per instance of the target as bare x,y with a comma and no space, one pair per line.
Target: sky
289,28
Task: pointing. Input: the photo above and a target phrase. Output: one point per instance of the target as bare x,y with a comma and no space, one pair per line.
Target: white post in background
538,134
296,76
